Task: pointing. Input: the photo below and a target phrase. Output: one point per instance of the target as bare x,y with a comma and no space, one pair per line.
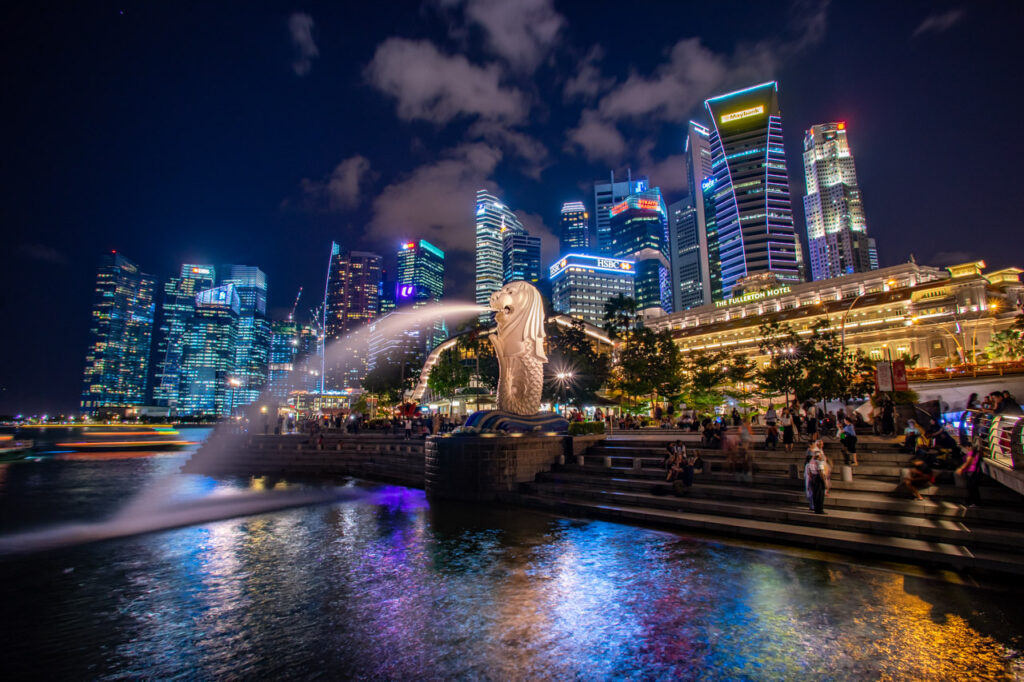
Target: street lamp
233,382
563,380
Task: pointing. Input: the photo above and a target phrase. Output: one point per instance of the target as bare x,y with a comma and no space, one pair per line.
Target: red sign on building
899,376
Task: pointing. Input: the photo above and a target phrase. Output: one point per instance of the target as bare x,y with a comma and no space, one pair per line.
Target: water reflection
396,588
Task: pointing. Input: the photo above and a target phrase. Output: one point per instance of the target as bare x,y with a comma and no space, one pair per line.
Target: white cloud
669,174
599,139
436,87
436,200
939,23
344,188
515,142
300,27
588,81
521,32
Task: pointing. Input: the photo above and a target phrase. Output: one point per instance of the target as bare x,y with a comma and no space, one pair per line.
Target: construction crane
291,315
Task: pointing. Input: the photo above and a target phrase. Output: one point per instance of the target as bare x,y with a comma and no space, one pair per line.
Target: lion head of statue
519,312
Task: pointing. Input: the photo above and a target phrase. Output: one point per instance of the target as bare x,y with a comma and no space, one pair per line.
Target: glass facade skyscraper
833,208
607,195
493,220
351,300
294,365
688,226
752,204
120,335
421,281
575,223
639,233
252,344
520,258
176,309
208,385
581,285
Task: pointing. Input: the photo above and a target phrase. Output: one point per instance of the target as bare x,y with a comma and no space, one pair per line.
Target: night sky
256,133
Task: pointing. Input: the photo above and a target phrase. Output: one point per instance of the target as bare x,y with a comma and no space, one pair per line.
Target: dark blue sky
256,133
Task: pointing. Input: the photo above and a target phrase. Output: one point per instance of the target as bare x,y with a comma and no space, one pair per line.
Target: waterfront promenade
620,477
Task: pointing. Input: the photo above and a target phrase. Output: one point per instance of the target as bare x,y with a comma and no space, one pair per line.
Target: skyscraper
520,257
639,233
688,249
581,285
176,310
421,281
752,203
493,220
117,362
293,363
836,228
351,300
252,343
606,195
575,236
208,385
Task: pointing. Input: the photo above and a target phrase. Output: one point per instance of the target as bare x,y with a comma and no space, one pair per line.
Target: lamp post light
233,382
564,378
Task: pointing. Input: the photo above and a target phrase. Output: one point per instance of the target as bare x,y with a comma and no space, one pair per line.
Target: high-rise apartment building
639,233
176,310
607,195
120,334
752,204
351,300
493,220
836,228
421,281
575,223
520,258
208,381
581,285
688,249
252,343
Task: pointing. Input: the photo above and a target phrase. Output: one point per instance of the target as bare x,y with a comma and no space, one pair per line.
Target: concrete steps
831,539
907,524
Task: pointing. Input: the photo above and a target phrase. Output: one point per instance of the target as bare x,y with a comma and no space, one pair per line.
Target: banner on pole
899,376
883,377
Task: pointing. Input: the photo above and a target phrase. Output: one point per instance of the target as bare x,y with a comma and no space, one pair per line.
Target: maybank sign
623,267
752,296
746,113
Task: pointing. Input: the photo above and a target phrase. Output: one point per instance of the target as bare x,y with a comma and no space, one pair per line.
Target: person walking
815,481
812,423
848,436
787,429
971,471
408,427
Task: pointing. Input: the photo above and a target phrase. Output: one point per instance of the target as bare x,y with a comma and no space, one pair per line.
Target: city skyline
345,189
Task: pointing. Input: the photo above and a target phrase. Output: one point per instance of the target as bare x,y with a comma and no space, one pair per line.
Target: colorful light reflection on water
397,588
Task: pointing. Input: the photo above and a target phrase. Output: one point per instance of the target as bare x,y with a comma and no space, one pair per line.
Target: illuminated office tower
120,334
351,300
294,362
575,222
179,303
751,199
707,189
493,220
252,345
421,281
639,233
688,248
208,383
520,258
836,228
606,195
581,285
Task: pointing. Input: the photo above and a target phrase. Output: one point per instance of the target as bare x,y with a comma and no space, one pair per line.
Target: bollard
847,473
793,473
579,460
561,460
608,462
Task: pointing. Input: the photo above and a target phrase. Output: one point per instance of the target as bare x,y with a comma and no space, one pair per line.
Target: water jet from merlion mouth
164,506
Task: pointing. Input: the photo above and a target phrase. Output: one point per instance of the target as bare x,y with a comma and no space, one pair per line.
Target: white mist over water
163,505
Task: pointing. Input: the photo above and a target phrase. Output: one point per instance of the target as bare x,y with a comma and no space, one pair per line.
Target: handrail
1001,435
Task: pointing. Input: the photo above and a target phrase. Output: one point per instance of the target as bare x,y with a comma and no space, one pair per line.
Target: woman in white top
816,481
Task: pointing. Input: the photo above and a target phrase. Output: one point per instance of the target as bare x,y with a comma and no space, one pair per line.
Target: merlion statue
519,347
